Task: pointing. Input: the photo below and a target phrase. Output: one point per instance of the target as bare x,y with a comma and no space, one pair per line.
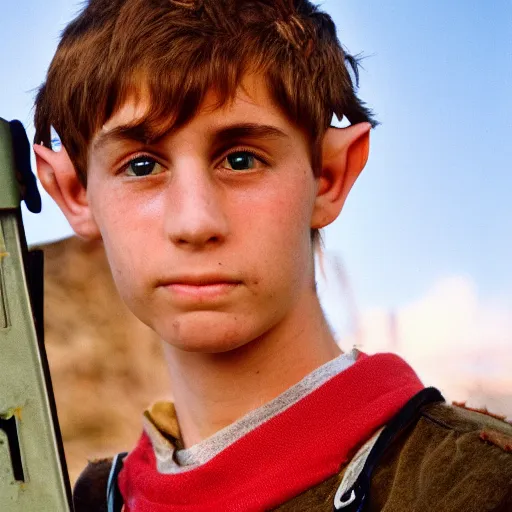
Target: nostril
198,241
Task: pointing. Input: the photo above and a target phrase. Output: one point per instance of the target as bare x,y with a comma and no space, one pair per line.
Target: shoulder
90,490
462,418
482,439
452,458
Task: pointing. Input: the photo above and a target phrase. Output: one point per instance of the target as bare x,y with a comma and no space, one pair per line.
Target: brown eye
143,166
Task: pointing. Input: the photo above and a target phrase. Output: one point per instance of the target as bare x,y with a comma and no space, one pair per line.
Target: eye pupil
142,166
240,161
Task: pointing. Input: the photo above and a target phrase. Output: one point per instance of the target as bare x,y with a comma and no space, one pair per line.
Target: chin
208,332
205,346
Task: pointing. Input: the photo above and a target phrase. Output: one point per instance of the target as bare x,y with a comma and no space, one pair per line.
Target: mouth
204,287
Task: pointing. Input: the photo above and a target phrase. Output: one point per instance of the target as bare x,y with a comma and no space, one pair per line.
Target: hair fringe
182,49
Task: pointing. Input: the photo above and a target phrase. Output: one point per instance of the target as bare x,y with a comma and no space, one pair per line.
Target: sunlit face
208,231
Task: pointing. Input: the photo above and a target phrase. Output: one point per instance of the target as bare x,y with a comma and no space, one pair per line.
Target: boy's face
208,231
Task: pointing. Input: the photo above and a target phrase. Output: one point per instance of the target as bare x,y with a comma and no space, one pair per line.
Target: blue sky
435,198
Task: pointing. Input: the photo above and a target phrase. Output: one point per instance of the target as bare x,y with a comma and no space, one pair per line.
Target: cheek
276,227
285,209
124,261
129,238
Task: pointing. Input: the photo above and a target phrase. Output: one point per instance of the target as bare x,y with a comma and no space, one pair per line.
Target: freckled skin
232,193
192,218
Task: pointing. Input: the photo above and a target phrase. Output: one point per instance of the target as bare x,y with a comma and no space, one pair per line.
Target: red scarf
288,454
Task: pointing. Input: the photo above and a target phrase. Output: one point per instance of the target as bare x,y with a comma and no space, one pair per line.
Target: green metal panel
32,473
9,192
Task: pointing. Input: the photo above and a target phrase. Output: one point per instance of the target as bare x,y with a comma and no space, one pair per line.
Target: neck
214,390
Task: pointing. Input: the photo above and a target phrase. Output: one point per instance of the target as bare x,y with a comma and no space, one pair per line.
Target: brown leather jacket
432,457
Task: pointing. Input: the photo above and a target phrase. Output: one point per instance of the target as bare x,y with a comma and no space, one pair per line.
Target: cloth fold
284,456
161,423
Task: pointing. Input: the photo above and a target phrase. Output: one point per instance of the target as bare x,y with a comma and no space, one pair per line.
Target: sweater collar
284,456
161,423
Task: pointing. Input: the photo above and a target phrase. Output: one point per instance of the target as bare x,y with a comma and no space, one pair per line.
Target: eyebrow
140,133
123,133
247,131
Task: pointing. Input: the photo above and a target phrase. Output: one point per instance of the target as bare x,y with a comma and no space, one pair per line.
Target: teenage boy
197,145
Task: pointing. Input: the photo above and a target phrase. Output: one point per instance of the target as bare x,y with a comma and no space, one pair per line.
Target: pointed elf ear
59,178
344,155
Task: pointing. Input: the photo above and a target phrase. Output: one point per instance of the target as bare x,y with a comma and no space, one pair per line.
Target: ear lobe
58,177
344,155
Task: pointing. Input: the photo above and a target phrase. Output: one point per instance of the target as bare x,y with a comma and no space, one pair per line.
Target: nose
195,215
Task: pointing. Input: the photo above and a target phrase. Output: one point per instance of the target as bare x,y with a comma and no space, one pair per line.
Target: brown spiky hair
174,51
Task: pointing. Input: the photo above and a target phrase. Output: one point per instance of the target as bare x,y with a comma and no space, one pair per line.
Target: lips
201,287
200,280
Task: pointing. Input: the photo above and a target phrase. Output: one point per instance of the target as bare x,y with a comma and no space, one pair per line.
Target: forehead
251,102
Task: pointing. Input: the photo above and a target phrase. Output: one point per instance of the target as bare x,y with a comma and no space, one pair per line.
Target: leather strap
354,498
114,499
